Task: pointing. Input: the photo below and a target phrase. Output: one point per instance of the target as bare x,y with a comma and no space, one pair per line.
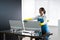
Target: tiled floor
54,30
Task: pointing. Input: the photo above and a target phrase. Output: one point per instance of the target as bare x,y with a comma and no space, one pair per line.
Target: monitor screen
32,25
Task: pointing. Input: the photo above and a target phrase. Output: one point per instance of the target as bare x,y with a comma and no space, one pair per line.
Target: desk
20,36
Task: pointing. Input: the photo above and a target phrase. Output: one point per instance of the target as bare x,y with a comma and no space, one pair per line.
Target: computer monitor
16,24
32,25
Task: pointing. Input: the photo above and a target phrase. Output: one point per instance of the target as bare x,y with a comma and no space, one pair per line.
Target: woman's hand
41,24
28,19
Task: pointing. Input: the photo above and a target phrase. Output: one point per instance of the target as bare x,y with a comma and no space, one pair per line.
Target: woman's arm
35,18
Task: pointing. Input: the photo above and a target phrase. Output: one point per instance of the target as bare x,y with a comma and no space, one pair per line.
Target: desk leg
31,38
20,38
4,36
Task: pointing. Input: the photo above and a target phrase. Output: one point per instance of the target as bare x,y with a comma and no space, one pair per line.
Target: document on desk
25,32
31,33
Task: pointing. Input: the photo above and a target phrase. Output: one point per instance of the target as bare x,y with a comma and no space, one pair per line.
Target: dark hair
42,9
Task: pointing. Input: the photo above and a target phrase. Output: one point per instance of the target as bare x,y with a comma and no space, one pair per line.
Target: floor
54,30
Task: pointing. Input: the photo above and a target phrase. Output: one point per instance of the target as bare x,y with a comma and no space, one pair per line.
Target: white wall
28,8
41,3
54,11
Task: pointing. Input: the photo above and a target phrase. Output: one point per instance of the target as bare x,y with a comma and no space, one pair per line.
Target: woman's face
41,12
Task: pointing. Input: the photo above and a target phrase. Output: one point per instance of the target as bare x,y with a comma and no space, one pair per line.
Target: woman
42,19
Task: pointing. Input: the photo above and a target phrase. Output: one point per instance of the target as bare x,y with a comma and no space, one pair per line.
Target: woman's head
42,11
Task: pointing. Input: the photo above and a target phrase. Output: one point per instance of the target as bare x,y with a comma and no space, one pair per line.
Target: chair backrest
32,25
16,24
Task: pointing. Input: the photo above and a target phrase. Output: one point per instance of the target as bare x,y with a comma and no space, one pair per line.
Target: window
30,8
